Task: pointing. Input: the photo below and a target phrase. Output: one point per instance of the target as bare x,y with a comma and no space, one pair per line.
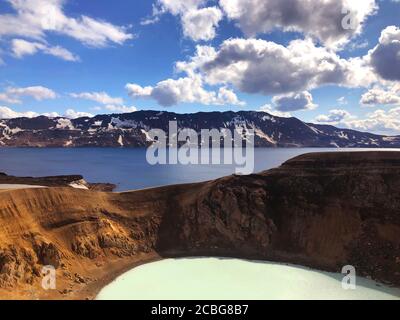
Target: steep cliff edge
323,210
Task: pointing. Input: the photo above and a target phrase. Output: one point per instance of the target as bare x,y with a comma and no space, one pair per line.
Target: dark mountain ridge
131,130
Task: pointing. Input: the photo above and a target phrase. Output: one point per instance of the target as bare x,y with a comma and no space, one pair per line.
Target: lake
233,279
128,168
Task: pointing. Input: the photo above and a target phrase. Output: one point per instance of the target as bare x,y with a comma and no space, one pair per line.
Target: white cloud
72,114
203,55
21,48
201,24
51,114
35,18
136,91
198,23
380,96
334,116
183,90
379,121
294,102
120,109
4,97
342,101
39,93
385,57
320,19
259,66
177,7
7,113
269,109
100,97
227,96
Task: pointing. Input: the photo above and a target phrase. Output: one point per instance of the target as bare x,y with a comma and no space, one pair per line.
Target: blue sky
54,59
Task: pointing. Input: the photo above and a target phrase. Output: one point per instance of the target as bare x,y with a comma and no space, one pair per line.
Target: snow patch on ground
80,184
68,143
315,130
120,141
342,135
148,138
262,135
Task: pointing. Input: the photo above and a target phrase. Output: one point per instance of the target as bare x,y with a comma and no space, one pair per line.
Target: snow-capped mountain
131,130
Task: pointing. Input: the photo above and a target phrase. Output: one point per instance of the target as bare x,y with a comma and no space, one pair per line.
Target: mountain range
131,130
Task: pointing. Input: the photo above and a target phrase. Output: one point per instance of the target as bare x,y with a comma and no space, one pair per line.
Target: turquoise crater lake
234,279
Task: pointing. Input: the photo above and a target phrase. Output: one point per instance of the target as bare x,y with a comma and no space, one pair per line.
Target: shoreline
118,268
362,283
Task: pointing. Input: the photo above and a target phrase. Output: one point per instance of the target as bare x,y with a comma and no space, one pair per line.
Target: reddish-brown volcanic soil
323,210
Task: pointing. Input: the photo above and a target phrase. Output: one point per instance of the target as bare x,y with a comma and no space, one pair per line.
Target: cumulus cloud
198,23
201,24
333,22
227,96
72,114
294,102
39,93
7,113
183,90
381,96
52,114
334,116
100,97
385,57
136,91
177,7
269,109
259,66
120,109
379,121
21,48
34,18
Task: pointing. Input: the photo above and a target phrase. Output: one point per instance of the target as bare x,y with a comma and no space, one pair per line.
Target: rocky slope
321,210
130,130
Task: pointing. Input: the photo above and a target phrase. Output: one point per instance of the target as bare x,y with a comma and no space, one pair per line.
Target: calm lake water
233,279
127,168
